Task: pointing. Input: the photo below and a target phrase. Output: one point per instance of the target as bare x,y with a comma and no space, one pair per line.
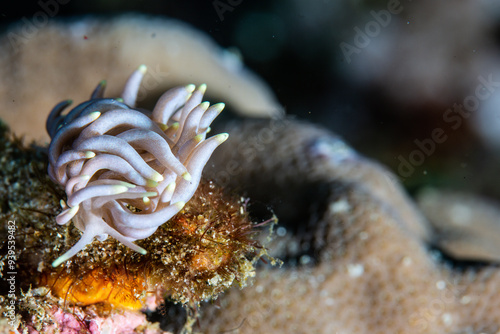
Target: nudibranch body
127,171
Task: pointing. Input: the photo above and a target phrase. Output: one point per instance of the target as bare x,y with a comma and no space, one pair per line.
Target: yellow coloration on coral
117,289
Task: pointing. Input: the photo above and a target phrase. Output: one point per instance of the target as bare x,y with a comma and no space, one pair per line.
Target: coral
355,250
466,226
98,48
125,171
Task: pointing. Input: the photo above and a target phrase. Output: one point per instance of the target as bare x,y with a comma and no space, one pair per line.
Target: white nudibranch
128,171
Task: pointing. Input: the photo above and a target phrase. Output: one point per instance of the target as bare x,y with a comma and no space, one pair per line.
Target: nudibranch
125,170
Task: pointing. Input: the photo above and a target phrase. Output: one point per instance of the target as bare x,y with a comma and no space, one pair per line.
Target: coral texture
125,171
467,226
355,250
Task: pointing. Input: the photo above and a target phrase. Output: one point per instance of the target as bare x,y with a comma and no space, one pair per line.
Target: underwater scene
235,166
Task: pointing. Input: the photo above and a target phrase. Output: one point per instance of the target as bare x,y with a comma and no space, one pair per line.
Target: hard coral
467,226
355,247
127,171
